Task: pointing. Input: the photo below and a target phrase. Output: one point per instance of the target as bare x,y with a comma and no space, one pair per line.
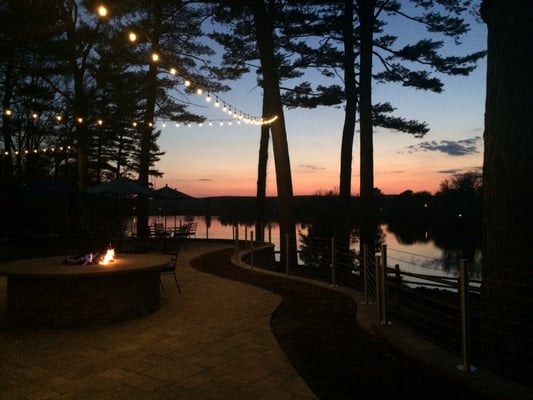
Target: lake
423,257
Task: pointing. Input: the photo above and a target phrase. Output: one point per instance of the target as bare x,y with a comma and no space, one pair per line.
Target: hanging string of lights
235,114
50,150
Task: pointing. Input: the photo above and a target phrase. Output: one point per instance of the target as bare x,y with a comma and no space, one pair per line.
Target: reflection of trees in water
409,232
458,238
316,245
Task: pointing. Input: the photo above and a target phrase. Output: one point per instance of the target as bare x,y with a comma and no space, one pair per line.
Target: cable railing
444,308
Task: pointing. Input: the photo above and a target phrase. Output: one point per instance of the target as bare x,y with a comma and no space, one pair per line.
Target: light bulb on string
217,103
208,97
199,91
173,71
102,11
132,36
187,83
155,57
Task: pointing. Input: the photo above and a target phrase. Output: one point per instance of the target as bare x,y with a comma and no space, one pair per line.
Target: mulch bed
317,330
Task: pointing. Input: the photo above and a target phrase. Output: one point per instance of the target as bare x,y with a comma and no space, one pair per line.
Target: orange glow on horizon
307,185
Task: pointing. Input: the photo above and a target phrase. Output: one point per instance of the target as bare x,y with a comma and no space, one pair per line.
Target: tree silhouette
507,191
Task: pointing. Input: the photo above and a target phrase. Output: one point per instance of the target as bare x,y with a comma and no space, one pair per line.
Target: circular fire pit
43,292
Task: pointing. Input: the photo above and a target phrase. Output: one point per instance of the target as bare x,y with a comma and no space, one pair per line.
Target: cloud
311,167
450,147
204,180
458,171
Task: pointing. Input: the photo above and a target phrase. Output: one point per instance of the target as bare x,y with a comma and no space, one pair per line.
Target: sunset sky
219,160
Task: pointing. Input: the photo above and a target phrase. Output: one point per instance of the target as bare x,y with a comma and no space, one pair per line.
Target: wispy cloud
204,180
457,171
453,148
311,167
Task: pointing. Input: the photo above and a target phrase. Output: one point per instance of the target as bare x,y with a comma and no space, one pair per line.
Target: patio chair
192,229
170,267
160,230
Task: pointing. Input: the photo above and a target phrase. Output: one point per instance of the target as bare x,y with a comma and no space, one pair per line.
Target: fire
109,256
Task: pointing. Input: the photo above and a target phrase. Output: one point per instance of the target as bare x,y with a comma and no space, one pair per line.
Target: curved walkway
211,342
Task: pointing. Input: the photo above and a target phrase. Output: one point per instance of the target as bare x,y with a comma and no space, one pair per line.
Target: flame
109,256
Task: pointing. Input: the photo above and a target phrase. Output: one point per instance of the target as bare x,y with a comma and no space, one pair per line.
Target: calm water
421,258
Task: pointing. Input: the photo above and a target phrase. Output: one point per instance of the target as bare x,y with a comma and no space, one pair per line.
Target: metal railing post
384,283
236,236
252,248
333,264
378,285
365,273
287,258
465,334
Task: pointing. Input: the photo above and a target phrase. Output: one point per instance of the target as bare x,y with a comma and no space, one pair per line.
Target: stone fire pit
44,292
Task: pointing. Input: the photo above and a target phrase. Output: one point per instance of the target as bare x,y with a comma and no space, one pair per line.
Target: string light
45,150
155,57
102,11
237,115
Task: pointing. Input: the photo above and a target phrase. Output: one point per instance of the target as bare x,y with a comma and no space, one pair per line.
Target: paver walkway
211,342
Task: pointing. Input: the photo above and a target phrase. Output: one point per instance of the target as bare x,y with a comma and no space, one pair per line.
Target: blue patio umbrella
119,186
166,193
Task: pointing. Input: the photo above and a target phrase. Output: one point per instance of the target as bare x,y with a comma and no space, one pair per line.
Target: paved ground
211,342
214,341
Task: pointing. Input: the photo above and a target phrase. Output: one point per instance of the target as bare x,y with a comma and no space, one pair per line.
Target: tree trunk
348,132
261,182
147,125
368,208
80,111
507,288
7,173
273,107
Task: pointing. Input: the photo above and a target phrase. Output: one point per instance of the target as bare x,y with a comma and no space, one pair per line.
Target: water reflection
421,250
